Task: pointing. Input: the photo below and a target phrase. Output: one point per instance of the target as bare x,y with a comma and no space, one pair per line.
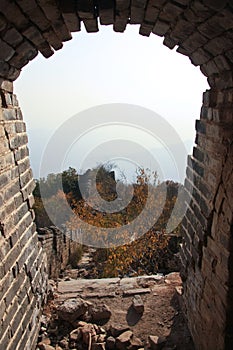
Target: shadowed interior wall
203,31
207,225
23,275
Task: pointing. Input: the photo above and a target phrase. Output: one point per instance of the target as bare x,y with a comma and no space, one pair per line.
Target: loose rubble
138,304
86,315
156,343
99,313
72,309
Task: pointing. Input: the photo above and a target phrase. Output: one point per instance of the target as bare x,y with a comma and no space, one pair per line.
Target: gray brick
182,30
211,28
4,145
195,41
209,68
62,31
216,4
5,284
6,85
28,189
160,28
25,178
72,22
4,341
58,24
13,37
4,179
9,114
151,12
200,56
3,23
106,12
145,29
201,11
122,15
24,165
35,13
170,11
25,52
45,49
13,73
20,213
18,140
4,69
217,45
86,9
225,17
137,11
11,190
222,63
121,21
34,35
13,14
2,308
91,25
169,42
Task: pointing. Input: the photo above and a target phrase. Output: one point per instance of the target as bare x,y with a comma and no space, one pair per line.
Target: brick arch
203,31
200,30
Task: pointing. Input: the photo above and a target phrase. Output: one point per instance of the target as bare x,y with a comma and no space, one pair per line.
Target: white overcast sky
108,67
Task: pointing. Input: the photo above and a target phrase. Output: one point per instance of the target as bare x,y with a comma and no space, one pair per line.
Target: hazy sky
108,67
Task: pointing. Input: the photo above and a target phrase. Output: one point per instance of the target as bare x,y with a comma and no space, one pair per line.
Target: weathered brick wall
22,261
201,30
58,247
207,230
207,226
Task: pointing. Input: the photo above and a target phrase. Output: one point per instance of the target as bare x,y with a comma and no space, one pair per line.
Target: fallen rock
100,330
81,324
156,343
57,347
52,327
138,304
44,321
110,342
75,335
123,341
101,312
101,338
98,346
82,273
135,343
45,341
88,334
45,347
64,344
72,309
117,329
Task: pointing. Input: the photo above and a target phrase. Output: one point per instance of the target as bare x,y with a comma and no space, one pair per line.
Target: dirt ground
162,314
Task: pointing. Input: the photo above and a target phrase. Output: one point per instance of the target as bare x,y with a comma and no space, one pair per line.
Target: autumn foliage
129,253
